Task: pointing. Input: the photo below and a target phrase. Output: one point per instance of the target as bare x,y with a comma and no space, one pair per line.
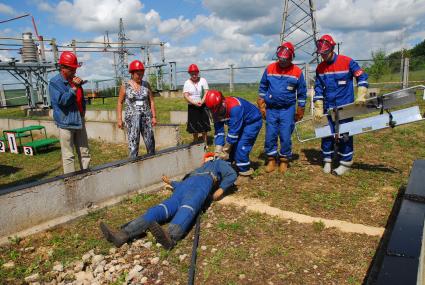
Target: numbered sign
28,150
11,139
2,146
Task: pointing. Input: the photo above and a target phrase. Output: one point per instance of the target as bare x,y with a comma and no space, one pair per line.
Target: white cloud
5,9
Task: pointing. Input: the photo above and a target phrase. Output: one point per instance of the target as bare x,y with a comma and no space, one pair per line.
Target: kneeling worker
189,195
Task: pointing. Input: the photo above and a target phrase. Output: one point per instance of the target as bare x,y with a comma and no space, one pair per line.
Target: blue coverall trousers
345,149
279,122
240,152
180,209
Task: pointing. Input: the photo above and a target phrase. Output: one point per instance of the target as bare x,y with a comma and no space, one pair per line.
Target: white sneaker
327,167
344,167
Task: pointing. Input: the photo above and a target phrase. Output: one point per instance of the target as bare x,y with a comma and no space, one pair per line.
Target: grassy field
249,248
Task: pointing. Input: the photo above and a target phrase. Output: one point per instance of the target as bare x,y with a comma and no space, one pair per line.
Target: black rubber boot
161,236
118,238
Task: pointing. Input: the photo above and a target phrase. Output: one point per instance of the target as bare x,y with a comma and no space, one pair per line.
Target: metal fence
385,74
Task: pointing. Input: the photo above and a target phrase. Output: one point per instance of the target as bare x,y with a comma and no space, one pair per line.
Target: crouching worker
181,209
244,123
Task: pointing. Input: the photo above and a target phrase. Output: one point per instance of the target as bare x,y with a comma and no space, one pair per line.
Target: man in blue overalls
282,94
334,87
244,123
188,198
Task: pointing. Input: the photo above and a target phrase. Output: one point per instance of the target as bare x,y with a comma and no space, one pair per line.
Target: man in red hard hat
333,88
282,94
244,123
69,107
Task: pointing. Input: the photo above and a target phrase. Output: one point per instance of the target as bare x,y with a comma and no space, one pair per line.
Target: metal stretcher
329,125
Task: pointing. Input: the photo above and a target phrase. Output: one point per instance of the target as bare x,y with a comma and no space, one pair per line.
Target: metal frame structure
299,26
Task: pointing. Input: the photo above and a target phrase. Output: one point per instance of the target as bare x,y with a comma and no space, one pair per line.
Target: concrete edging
44,204
165,135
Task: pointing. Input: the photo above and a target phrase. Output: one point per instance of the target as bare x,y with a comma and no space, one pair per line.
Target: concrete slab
50,202
166,135
178,117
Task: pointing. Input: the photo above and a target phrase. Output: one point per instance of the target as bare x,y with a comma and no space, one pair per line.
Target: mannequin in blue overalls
188,198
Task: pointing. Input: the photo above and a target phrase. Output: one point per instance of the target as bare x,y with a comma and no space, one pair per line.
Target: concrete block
57,200
165,135
178,117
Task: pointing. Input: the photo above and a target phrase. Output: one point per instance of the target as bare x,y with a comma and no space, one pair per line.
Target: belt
214,178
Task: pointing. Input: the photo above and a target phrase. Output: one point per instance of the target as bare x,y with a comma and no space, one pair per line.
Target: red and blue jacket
281,87
239,113
334,81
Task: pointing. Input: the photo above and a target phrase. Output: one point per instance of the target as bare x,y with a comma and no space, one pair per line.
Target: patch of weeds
137,199
14,240
95,215
121,279
240,254
163,253
318,226
14,254
256,173
214,263
229,226
277,251
262,194
353,280
56,239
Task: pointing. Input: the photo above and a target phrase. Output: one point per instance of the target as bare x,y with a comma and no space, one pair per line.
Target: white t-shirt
195,89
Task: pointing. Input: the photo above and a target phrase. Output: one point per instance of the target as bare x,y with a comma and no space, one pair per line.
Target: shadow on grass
264,157
313,156
375,167
29,179
6,170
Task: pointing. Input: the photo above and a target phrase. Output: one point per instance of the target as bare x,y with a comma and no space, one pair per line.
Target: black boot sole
161,236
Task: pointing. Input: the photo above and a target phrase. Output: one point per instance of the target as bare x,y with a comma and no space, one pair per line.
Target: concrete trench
30,208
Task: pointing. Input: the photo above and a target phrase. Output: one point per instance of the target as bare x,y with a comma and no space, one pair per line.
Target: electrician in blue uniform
244,123
189,195
333,88
282,94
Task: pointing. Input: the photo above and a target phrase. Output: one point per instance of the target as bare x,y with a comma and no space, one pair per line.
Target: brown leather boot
271,164
161,236
244,177
283,166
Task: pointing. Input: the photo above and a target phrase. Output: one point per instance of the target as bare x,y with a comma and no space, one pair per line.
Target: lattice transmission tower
299,27
122,64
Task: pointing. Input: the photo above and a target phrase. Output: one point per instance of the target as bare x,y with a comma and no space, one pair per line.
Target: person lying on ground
181,208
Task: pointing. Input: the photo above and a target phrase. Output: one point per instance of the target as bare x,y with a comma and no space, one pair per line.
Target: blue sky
215,33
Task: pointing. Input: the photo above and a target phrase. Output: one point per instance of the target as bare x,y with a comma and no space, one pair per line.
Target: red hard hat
136,65
68,58
213,100
325,44
285,51
193,68
208,156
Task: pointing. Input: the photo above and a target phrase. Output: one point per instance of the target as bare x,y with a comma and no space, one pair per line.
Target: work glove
361,95
262,106
299,114
318,111
224,154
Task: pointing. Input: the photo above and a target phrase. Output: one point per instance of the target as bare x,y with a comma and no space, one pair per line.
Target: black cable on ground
192,268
